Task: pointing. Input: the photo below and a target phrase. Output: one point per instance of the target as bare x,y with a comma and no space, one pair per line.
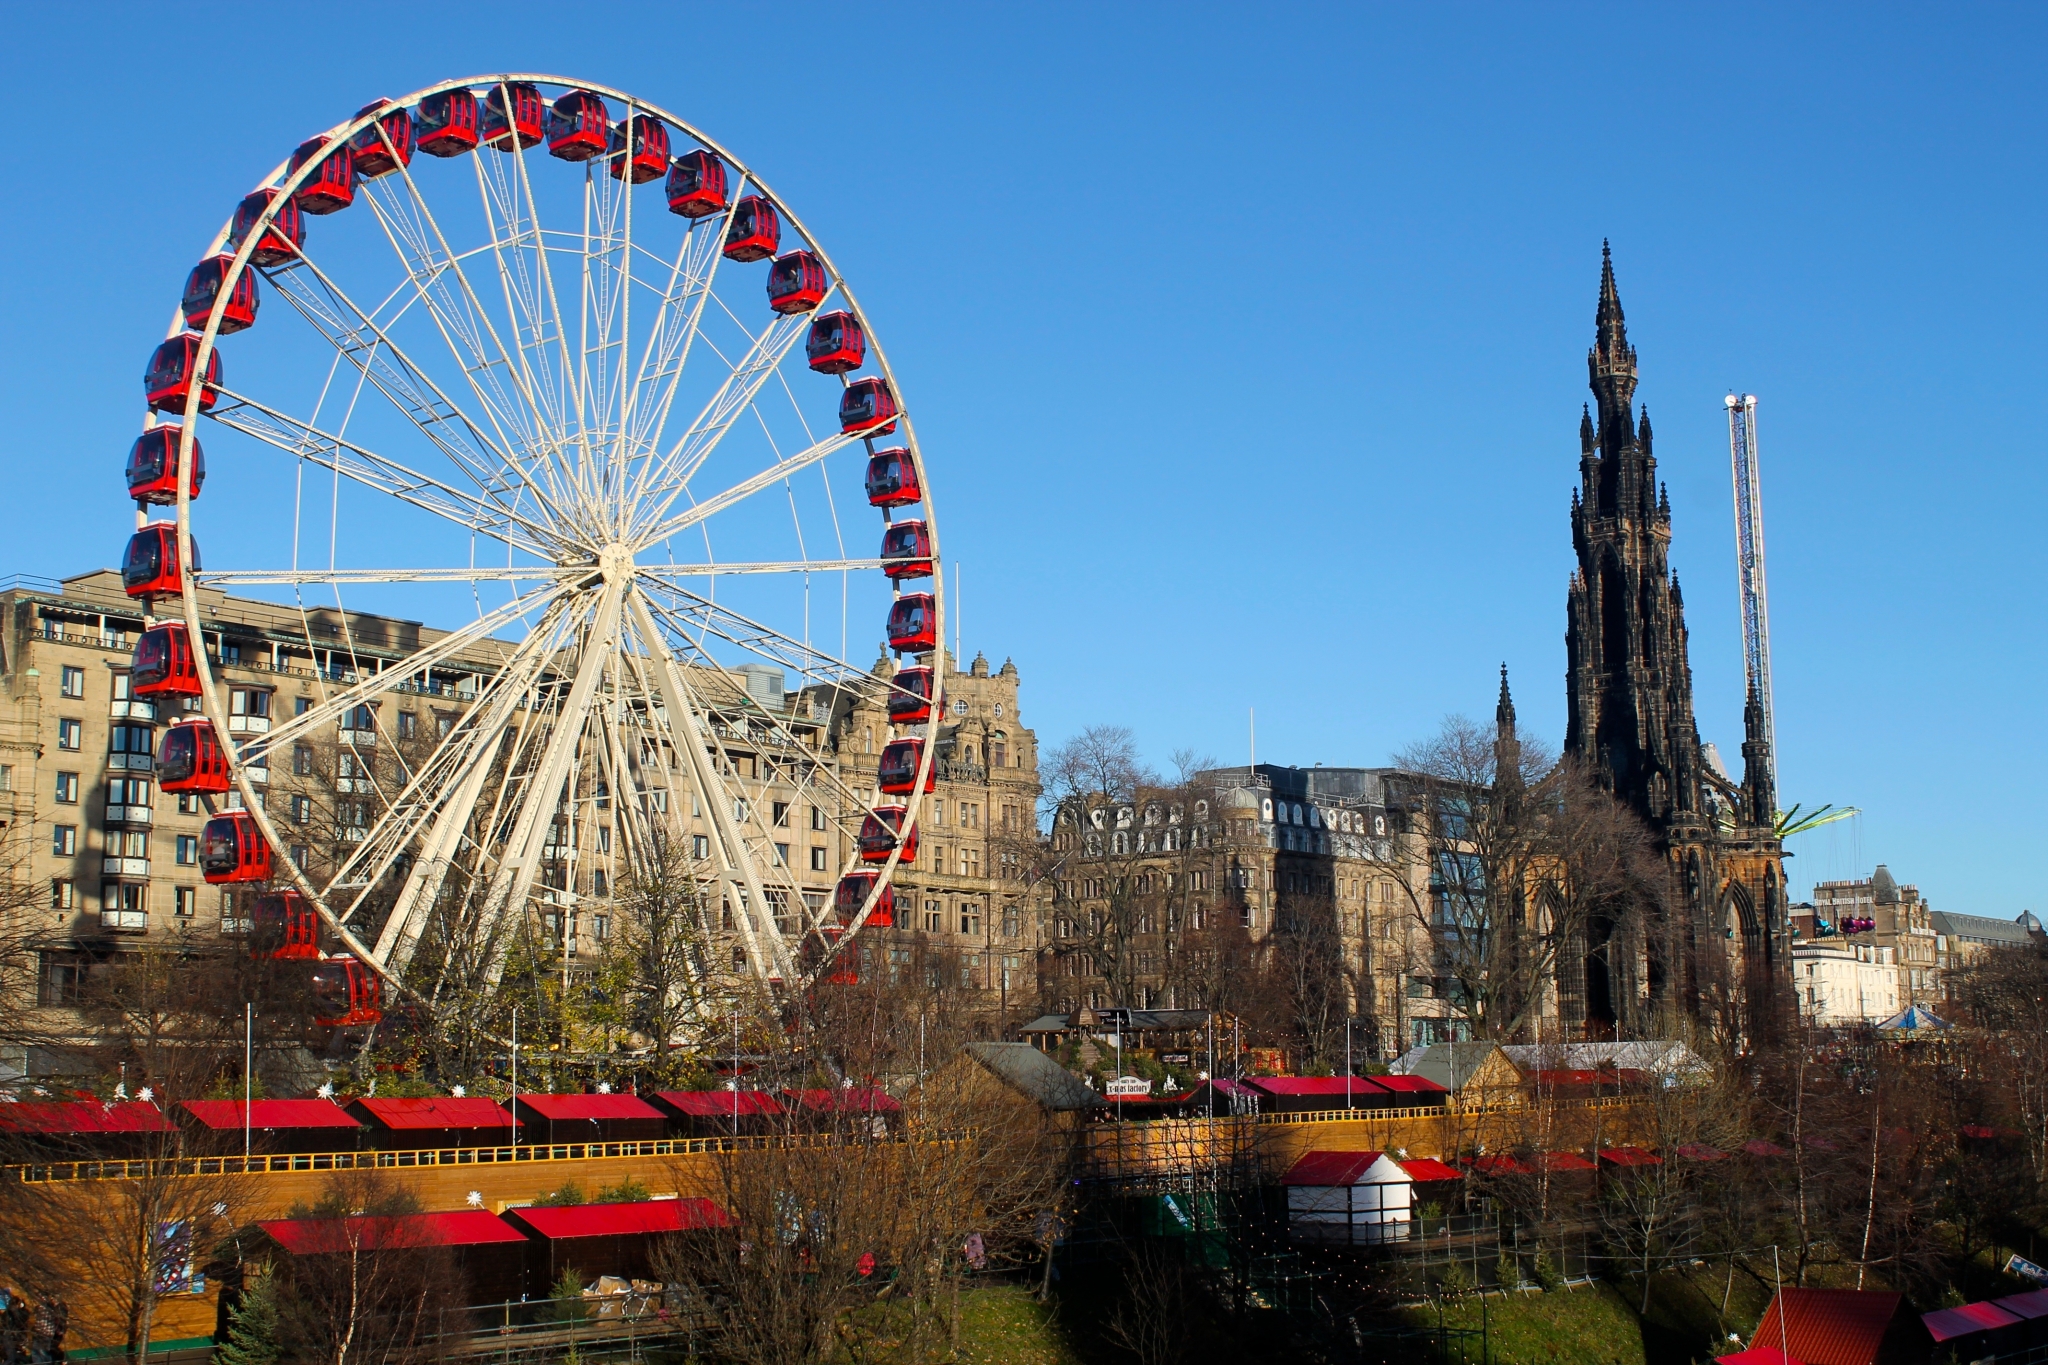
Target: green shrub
569,1193
1455,1281
627,1191
1545,1272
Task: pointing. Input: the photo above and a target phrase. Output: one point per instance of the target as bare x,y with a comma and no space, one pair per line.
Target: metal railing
138,1168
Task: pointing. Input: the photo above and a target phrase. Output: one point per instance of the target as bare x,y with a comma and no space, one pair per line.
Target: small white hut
1348,1198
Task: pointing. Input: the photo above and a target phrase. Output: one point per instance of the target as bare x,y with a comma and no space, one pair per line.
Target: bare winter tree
1527,870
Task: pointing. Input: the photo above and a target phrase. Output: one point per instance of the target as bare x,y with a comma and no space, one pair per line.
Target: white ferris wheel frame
624,600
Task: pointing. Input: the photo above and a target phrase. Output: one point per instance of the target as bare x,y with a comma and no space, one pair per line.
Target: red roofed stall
606,1239
713,1113
1408,1092
1758,1355
273,1125
588,1118
2031,1308
490,1253
1628,1157
855,1099
1843,1327
99,1128
435,1121
1976,1330
1308,1094
1427,1169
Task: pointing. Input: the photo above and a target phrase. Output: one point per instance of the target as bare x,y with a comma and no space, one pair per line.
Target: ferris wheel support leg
739,868
512,884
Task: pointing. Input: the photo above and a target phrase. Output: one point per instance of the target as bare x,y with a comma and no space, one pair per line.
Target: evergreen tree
253,1326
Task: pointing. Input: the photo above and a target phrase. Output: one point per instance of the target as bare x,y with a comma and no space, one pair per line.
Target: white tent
1351,1198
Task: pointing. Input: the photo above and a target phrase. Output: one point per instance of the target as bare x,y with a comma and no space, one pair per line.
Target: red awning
1758,1147
1427,1168
326,1236
1410,1085
571,1107
70,1118
1558,1163
616,1220
1329,1168
720,1103
2030,1305
269,1115
1699,1151
1501,1165
436,1111
1629,1156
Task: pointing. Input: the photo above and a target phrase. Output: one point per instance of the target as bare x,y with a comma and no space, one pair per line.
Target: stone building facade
1898,920
1628,686
109,863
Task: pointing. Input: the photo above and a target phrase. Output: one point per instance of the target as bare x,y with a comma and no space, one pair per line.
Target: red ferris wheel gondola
878,835
346,993
756,229
696,185
853,892
163,664
578,126
513,115
912,694
202,287
907,550
332,185
649,156
913,623
285,927
232,849
153,466
281,240
865,403
168,380
372,157
796,283
892,478
191,759
896,775
149,567
836,345
446,124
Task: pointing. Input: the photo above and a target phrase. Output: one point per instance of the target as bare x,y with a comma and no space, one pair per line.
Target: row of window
132,897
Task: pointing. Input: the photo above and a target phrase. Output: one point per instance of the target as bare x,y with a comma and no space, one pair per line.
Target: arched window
1266,809
998,747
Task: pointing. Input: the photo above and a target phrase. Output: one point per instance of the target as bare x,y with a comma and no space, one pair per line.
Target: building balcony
134,763
130,815
259,776
361,739
133,710
248,725
124,867
124,921
361,786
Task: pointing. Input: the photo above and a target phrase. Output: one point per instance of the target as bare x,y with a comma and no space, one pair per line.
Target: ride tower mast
1749,559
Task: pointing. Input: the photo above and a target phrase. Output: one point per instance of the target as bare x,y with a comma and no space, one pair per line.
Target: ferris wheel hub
615,562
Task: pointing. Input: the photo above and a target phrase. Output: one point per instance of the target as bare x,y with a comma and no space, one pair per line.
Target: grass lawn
1004,1325
1586,1325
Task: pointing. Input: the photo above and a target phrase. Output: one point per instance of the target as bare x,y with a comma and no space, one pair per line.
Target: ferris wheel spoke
359,464
518,253
226,578
368,347
685,609
743,490
665,572
466,325
421,664
766,953
674,328
714,237
664,482
438,808
512,881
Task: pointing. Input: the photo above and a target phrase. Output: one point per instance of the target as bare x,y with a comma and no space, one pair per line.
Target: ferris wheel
541,363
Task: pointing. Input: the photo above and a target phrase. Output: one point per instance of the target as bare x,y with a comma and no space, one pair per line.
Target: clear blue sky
1247,345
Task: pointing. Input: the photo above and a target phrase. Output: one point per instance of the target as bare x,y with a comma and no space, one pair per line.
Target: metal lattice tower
1749,555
